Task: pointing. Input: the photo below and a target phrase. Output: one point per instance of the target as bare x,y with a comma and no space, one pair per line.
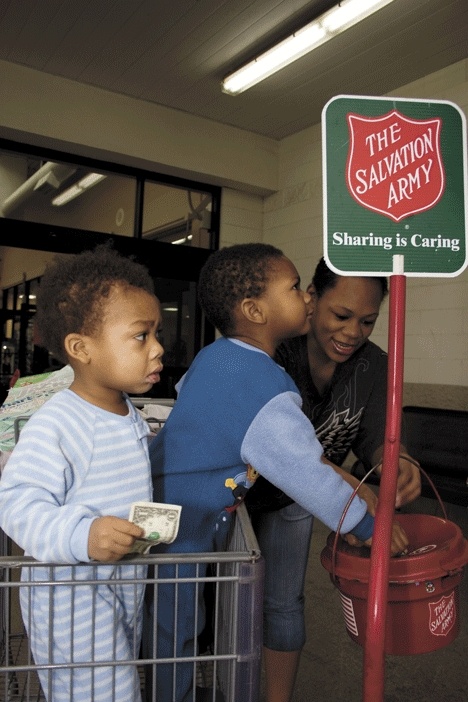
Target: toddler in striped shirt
80,462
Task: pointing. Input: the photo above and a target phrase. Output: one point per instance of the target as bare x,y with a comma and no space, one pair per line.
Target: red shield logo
394,164
442,615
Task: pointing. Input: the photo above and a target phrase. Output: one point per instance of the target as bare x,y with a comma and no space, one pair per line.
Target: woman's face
344,316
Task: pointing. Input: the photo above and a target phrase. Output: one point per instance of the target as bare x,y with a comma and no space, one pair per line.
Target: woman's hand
409,477
409,481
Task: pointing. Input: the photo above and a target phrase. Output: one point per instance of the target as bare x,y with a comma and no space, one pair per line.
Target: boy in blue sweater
238,414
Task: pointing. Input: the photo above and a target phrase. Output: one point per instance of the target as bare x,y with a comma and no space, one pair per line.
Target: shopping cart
231,664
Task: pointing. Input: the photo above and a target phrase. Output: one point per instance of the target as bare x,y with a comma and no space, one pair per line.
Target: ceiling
176,52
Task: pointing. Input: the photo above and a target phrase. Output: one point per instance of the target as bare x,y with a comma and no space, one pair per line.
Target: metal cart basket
229,668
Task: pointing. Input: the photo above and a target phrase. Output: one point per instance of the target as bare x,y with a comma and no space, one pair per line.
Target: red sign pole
374,656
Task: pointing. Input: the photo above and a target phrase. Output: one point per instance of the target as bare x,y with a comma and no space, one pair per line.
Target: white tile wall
241,217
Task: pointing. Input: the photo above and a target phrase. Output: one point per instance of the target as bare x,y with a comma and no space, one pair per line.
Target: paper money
159,521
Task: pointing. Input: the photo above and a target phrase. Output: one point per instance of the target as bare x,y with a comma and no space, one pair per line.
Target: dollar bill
159,521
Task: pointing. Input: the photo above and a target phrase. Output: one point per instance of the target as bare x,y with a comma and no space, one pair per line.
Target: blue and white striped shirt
75,462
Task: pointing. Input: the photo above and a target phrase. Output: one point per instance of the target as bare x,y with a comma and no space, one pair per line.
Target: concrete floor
331,667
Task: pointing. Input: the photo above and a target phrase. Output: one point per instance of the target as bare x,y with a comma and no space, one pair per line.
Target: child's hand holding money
111,538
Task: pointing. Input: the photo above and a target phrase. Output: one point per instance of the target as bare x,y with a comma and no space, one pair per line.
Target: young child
80,461
239,414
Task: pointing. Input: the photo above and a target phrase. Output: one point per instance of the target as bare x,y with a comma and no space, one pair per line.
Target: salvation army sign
394,183
409,178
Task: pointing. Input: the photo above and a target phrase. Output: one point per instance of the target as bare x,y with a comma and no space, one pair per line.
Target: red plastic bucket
423,591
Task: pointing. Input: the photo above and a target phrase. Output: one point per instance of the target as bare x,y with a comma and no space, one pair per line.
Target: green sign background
342,213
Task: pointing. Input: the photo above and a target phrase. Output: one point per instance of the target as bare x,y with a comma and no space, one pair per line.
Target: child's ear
252,310
76,348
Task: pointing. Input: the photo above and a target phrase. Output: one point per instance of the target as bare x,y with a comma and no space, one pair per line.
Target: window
51,202
177,215
87,196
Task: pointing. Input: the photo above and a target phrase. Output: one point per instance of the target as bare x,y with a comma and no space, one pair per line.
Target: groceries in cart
23,399
154,410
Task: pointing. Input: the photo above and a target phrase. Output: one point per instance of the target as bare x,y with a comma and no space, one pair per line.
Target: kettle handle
345,511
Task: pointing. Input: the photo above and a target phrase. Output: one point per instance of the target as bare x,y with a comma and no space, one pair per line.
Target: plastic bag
26,396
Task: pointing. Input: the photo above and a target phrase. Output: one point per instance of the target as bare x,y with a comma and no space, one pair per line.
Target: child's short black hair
72,289
230,275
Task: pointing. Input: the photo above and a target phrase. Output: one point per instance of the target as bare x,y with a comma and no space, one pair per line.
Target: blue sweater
236,407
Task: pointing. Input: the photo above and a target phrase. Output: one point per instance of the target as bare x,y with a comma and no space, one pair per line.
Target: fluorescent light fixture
90,180
67,195
183,240
322,29
86,182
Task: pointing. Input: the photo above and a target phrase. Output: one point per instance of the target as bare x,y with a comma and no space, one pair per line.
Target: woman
342,379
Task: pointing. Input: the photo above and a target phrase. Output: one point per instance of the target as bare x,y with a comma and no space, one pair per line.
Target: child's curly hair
230,275
72,291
